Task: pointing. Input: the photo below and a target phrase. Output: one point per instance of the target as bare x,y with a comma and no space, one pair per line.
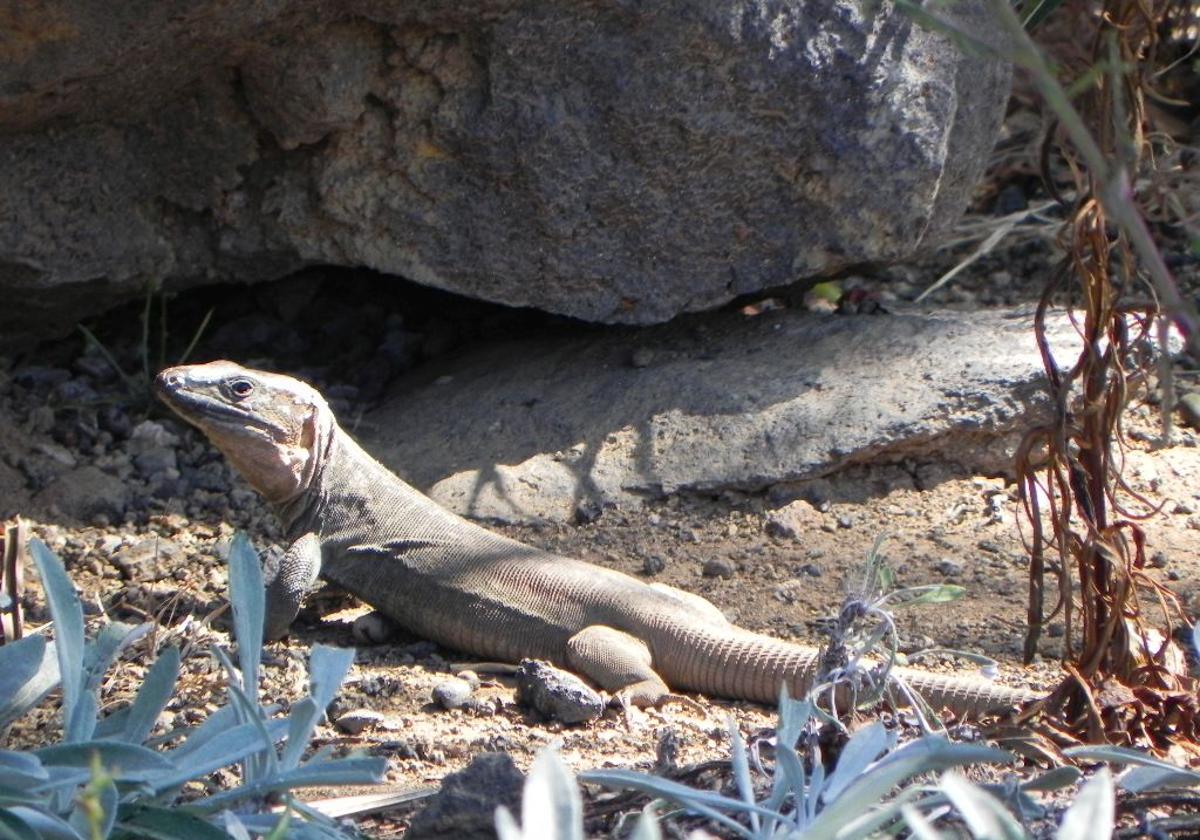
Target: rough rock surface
557,694
615,162
465,807
539,429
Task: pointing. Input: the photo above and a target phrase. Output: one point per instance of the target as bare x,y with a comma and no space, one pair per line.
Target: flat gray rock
617,162
543,428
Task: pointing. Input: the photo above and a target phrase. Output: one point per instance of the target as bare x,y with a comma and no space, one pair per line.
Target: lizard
351,521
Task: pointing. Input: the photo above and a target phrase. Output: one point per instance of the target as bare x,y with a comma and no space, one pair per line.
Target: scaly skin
355,523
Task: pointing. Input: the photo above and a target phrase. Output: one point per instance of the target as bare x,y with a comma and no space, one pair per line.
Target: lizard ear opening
308,430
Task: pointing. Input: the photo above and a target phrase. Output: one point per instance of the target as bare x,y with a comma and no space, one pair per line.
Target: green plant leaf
327,669
551,806
741,770
1092,814
221,750
20,769
30,668
936,593
128,762
795,781
918,824
235,826
984,815
1056,779
867,744
13,827
1152,773
264,762
98,655
152,697
507,827
248,598
646,827
157,823
301,722
111,726
48,826
924,755
340,771
222,720
704,803
67,613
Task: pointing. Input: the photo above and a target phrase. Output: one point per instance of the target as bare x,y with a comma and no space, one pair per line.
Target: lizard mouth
195,406
199,408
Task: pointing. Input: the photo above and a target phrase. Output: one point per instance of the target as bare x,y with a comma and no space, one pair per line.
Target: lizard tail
738,664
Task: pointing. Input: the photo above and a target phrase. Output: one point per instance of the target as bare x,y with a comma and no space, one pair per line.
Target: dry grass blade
984,248
364,804
12,549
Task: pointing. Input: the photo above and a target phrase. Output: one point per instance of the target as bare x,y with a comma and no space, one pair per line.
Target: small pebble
653,564
1189,409
642,357
356,721
452,694
949,568
719,567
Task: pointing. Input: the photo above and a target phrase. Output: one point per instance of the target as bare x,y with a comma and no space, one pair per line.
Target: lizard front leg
288,581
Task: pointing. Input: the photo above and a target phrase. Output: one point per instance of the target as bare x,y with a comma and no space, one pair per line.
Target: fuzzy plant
108,778
877,787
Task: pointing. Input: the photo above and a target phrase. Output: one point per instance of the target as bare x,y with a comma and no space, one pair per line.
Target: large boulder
618,162
551,428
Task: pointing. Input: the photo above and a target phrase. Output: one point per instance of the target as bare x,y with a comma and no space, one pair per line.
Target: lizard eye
241,388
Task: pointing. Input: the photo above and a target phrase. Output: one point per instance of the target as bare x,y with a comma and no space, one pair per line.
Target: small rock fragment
465,807
453,693
356,721
653,564
792,520
588,511
556,694
1189,409
153,448
83,493
949,568
146,559
642,357
719,567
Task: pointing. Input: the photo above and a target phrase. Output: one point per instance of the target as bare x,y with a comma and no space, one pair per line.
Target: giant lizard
353,522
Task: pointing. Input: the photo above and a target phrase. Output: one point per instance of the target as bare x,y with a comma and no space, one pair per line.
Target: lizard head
272,428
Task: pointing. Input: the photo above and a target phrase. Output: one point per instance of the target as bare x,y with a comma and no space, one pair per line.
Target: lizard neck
353,498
